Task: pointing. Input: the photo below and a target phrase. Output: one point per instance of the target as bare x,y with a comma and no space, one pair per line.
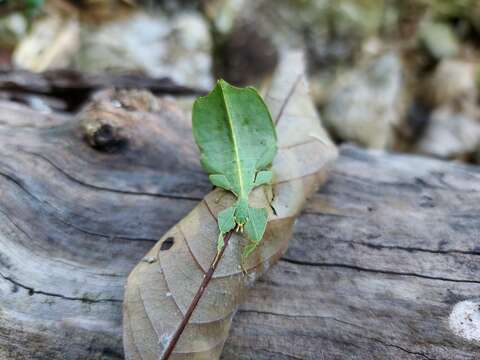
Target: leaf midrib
235,145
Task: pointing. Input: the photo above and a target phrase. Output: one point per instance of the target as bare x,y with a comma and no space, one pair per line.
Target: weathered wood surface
378,260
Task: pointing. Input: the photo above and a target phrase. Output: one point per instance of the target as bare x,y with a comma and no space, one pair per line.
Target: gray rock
12,28
366,105
176,46
50,44
451,133
224,13
452,80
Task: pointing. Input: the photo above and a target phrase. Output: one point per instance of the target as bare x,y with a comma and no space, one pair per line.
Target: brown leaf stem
206,279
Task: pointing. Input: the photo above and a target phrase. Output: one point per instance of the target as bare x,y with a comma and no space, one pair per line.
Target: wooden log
73,87
379,260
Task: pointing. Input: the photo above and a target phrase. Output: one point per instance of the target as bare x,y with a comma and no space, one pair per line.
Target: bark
379,257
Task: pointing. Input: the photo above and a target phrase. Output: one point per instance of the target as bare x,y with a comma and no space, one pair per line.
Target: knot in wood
104,134
106,123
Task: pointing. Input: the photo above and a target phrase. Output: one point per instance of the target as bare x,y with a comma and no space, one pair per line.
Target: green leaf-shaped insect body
236,136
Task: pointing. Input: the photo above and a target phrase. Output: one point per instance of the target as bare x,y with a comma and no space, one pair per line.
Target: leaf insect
237,140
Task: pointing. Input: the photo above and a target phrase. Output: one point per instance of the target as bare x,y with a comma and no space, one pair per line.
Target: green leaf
236,136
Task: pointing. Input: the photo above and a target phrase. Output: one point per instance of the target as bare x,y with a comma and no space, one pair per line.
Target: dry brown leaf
160,289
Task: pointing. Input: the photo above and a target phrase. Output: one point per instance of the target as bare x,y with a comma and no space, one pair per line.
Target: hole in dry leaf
167,244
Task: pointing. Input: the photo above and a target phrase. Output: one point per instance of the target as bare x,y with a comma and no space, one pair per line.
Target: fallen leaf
158,293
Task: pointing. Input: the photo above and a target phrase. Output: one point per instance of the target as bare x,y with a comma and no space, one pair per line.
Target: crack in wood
118,191
402,248
332,318
32,291
376,271
53,214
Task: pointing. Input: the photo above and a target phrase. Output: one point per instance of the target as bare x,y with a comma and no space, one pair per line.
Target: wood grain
378,259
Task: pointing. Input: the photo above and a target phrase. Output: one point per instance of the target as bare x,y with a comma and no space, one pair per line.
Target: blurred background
385,74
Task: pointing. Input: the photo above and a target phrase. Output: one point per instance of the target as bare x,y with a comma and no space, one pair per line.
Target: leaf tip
222,83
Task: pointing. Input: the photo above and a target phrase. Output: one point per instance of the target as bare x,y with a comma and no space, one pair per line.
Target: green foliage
32,7
237,140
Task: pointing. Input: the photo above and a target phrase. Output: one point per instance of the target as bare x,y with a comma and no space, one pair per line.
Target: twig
206,279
